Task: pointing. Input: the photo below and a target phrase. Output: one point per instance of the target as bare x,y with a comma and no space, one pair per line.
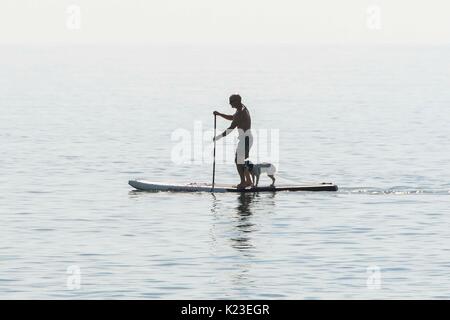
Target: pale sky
225,21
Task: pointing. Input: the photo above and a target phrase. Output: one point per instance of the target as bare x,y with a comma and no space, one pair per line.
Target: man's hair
235,98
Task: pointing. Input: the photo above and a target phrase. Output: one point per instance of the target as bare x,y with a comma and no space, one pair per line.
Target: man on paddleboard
241,120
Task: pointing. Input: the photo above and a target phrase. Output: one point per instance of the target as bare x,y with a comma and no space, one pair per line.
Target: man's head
235,101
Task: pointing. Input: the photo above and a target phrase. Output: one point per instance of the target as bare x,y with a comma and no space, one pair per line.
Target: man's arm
225,116
232,126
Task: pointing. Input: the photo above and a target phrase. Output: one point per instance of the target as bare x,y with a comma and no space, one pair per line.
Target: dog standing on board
255,171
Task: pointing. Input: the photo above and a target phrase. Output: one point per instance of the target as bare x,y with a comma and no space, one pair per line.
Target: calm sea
76,123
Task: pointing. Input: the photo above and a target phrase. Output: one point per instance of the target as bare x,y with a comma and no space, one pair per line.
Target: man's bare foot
248,184
244,185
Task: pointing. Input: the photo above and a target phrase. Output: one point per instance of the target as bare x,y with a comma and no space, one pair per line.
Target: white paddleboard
141,184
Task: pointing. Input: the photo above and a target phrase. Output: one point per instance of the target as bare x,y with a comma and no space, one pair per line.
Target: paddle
214,154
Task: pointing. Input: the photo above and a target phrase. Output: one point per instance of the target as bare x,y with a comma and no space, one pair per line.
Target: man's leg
242,153
248,145
248,178
240,170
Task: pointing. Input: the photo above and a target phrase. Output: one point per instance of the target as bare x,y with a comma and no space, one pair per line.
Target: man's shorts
243,148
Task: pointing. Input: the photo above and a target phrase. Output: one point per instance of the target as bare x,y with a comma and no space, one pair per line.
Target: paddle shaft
214,153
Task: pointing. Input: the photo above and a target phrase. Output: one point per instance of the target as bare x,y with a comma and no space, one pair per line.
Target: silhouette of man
241,120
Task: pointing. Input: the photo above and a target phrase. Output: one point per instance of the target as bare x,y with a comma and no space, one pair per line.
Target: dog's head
248,165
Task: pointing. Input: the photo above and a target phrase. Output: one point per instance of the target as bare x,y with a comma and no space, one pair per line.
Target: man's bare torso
242,119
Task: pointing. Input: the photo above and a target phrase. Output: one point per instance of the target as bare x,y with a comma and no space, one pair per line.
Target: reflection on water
242,217
245,229
244,225
244,203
